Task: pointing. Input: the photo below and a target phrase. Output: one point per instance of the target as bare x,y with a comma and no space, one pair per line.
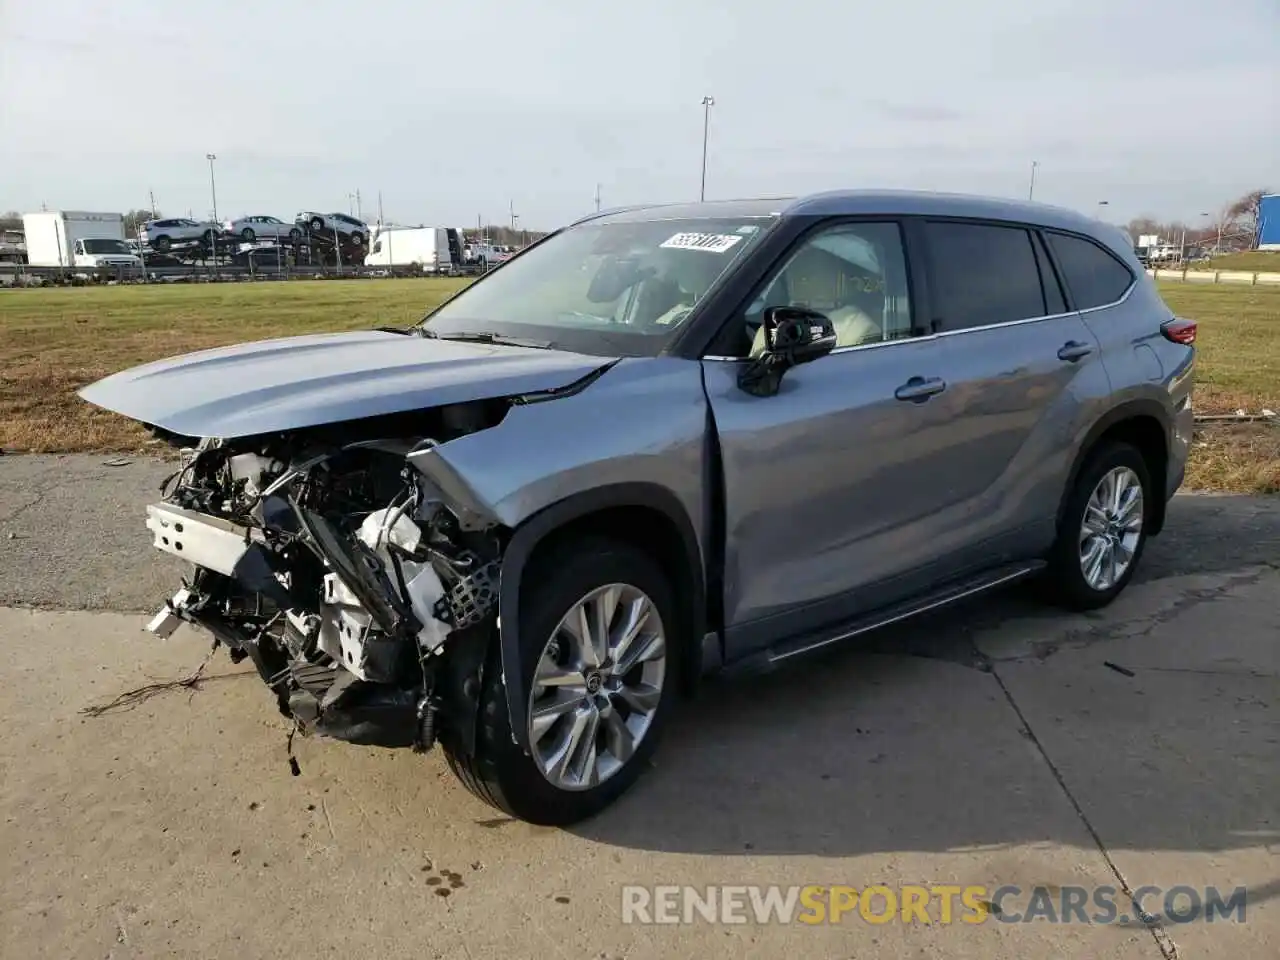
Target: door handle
918,389
1074,350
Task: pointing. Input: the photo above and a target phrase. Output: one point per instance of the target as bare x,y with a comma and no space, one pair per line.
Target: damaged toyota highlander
661,442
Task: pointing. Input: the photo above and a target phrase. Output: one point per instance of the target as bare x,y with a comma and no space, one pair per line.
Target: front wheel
599,644
357,239
1103,530
247,235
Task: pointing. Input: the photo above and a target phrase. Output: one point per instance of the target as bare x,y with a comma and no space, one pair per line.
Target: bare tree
1241,217
135,219
11,220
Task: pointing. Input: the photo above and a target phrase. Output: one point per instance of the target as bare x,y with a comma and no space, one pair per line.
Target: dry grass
52,342
55,341
1238,368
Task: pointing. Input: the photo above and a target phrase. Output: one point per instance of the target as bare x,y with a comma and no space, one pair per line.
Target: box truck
75,238
430,249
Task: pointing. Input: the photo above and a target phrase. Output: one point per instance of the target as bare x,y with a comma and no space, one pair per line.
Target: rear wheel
248,235
316,224
1103,530
162,244
599,659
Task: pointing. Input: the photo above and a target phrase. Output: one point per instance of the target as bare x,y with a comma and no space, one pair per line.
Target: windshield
616,287
105,246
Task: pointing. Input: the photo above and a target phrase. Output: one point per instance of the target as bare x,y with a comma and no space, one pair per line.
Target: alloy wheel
1111,528
597,686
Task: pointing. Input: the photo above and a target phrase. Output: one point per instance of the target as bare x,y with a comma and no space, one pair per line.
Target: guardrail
21,274
1185,275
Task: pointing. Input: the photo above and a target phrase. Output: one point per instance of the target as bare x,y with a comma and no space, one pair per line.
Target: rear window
1094,276
983,274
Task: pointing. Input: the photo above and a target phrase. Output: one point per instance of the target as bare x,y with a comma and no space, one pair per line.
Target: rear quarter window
1094,276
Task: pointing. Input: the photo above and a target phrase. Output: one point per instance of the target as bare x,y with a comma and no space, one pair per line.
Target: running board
952,593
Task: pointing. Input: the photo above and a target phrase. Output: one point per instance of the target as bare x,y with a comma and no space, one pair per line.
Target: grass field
54,341
1254,261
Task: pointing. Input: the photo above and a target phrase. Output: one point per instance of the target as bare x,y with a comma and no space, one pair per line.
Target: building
1269,222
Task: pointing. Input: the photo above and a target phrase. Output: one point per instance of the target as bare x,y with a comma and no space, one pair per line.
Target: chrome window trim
954,333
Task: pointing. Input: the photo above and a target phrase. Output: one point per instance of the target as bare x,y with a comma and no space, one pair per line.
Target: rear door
1022,371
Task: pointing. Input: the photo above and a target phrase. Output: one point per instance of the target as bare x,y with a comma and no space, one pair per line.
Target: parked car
663,441
339,223
259,227
271,257
162,234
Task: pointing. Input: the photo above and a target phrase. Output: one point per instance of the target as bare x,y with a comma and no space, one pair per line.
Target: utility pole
382,225
597,198
707,104
152,195
359,209
213,186
1031,191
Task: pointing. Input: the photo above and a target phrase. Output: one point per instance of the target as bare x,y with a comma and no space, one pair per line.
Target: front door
832,484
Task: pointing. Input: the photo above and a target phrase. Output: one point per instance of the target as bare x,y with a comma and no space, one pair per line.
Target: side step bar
952,593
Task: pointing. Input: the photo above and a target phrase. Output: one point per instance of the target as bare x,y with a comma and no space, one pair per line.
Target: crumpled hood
285,384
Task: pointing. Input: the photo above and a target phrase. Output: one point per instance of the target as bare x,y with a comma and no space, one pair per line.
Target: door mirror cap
797,334
792,336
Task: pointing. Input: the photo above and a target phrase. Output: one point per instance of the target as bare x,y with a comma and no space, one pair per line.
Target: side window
1094,277
855,273
983,274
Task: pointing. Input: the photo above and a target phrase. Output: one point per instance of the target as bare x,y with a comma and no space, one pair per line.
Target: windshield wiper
487,337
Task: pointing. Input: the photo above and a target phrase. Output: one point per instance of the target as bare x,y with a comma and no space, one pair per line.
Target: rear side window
983,274
1094,276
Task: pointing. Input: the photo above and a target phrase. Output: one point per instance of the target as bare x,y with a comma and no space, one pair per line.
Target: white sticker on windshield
711,242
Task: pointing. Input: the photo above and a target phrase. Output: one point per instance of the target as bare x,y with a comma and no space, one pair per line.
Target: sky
457,111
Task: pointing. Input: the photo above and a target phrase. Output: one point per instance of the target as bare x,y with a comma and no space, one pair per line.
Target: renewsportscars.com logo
936,904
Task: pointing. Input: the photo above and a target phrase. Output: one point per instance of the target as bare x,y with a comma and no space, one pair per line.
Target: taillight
1179,331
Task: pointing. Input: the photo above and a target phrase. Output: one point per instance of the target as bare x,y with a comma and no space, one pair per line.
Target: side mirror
792,336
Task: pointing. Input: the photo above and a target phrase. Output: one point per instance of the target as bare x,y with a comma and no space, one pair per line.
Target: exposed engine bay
325,557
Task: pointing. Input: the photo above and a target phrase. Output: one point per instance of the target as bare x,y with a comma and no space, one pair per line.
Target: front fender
525,540
635,436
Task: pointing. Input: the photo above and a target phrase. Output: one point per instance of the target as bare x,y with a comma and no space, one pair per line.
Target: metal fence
16,274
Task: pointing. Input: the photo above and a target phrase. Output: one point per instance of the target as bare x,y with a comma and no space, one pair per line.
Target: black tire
210,237
1065,580
162,244
499,772
357,239
295,234
316,224
247,235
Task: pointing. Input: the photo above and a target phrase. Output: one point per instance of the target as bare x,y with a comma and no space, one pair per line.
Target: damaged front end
341,571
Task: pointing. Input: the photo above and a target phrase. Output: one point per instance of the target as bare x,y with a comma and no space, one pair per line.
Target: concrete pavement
995,744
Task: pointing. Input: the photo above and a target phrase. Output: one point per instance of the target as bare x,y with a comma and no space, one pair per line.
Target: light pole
597,198
1101,204
707,104
1031,191
213,186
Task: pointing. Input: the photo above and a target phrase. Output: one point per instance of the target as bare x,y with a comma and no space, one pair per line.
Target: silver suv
660,442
